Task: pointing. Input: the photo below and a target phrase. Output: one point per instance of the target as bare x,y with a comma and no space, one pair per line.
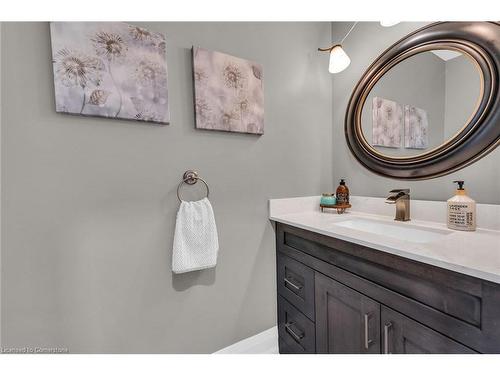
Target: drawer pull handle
297,336
292,284
387,326
368,342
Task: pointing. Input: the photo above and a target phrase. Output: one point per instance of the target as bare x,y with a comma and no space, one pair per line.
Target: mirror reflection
421,103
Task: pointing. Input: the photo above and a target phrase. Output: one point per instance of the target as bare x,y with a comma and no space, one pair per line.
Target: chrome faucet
400,197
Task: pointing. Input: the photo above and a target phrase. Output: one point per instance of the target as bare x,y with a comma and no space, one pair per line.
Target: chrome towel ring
191,177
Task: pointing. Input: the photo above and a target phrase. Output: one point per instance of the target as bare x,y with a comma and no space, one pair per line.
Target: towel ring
191,178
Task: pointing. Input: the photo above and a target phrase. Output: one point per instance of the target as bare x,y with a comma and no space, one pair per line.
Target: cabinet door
402,335
346,321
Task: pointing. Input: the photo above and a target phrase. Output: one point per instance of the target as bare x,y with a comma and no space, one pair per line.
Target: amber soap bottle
342,193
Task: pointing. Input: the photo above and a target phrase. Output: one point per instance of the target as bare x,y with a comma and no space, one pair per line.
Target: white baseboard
265,342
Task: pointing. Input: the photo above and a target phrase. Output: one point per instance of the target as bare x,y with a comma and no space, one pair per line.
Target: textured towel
195,240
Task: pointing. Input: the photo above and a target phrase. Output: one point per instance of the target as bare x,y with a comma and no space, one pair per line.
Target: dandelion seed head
109,45
233,76
77,69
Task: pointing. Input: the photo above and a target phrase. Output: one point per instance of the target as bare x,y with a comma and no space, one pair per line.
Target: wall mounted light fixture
338,58
388,23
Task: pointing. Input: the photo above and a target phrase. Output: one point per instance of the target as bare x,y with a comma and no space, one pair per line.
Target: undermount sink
400,231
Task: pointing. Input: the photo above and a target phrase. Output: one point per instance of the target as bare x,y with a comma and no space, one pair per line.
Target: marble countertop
475,253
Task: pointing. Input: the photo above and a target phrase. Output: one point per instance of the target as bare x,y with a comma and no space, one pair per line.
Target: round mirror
421,103
430,104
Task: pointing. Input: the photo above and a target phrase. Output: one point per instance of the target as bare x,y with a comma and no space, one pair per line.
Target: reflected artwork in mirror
436,92
416,128
387,117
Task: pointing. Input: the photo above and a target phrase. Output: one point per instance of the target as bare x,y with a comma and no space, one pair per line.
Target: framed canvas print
110,69
387,119
228,91
416,128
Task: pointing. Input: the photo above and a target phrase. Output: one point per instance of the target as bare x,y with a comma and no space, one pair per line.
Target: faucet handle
395,194
405,191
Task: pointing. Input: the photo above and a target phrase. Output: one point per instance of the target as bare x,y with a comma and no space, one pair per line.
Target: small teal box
328,199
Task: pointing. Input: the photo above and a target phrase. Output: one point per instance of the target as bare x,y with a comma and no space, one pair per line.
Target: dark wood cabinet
347,322
402,335
338,297
296,284
295,330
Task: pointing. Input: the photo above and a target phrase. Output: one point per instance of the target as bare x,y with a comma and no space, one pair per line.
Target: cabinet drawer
296,284
402,335
295,330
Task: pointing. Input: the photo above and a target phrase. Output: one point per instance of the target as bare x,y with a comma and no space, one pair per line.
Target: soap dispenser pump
461,210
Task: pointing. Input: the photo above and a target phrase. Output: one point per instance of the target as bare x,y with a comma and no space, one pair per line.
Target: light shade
389,23
338,60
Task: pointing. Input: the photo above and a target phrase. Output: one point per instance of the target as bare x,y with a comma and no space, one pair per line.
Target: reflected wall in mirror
421,103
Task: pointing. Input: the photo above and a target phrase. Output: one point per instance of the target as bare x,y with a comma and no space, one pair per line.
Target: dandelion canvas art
387,122
416,128
110,69
229,92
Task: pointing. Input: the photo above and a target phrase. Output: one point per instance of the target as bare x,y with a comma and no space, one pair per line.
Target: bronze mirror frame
480,41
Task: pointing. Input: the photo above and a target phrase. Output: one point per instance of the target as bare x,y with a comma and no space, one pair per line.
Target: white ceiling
446,54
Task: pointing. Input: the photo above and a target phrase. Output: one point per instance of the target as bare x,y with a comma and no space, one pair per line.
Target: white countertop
475,253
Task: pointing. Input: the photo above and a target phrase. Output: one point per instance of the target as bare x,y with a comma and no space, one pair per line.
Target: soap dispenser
461,210
342,193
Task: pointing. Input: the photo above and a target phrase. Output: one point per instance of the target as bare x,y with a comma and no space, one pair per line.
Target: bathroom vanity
360,283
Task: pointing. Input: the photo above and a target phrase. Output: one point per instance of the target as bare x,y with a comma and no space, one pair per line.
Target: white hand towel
195,240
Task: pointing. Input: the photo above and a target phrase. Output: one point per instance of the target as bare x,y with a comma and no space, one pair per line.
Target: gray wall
367,41
420,82
462,92
89,204
1,26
